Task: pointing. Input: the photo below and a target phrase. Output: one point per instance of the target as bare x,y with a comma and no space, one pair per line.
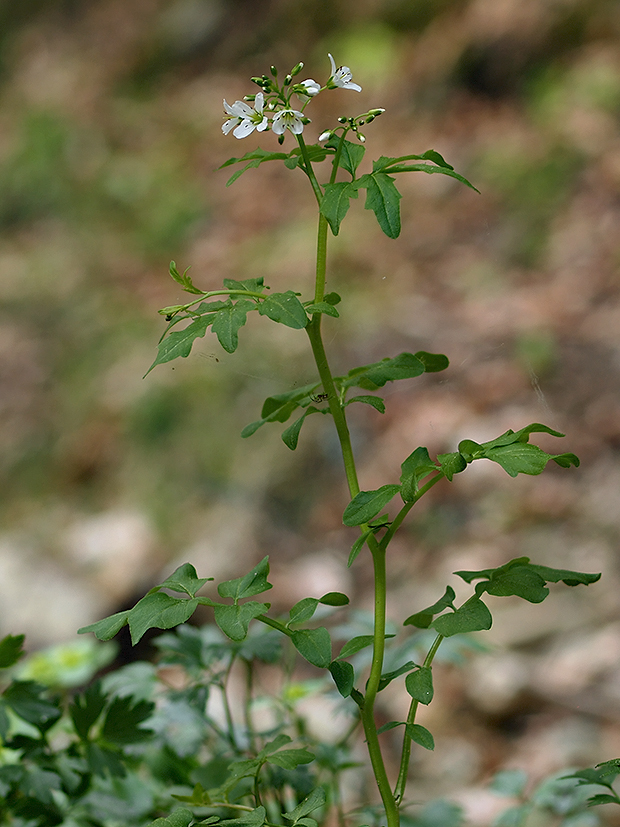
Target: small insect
319,397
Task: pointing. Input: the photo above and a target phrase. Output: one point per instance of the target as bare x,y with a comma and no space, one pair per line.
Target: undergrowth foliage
131,747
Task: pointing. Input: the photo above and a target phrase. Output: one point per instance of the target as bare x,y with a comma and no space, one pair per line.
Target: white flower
243,119
324,136
341,77
288,119
311,88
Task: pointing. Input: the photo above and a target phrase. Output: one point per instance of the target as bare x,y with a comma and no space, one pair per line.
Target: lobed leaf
311,802
284,308
184,579
178,344
234,620
413,470
423,619
350,156
11,650
121,725
253,583
451,464
86,709
229,320
472,616
184,280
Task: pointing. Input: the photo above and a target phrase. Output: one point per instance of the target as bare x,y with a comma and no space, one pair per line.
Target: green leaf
322,307
255,158
419,684
334,599
472,616
290,436
523,458
383,163
288,759
86,709
253,583
376,402
344,676
388,677
602,798
390,725
311,802
433,362
367,504
420,735
184,280
179,343
159,611
520,581
451,464
569,578
371,377
284,308
256,285
382,197
314,645
357,546
103,761
336,201
254,819
417,466
11,650
332,298
27,700
179,818
278,408
121,725
356,644
234,620
351,154
303,610
184,579
108,627
229,320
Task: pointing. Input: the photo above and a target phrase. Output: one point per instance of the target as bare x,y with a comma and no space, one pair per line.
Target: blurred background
110,143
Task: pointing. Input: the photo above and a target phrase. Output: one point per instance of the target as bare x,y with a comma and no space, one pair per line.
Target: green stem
308,169
401,783
398,520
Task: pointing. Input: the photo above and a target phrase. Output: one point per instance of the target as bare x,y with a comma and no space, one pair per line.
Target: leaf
371,377
288,759
322,307
159,611
256,285
184,280
234,620
376,402
254,819
278,408
179,818
11,650
290,436
417,466
229,320
602,798
314,645
569,578
519,458
390,725
420,735
344,676
336,201
367,504
510,437
108,627
472,616
184,579
419,684
86,709
27,700
451,464
388,677
351,154
284,308
253,583
334,599
179,343
311,802
433,362
356,644
255,158
303,610
520,581
382,197
121,725
357,546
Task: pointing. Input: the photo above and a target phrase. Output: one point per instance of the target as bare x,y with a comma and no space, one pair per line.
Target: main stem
378,553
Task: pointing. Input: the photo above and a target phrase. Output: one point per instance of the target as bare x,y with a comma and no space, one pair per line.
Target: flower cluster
272,106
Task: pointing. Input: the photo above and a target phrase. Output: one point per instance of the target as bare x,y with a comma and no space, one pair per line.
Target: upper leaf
367,504
179,342
472,616
184,579
383,198
252,583
417,466
351,154
228,320
336,201
424,618
284,308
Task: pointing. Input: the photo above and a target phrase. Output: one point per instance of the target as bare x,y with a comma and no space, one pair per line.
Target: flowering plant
281,776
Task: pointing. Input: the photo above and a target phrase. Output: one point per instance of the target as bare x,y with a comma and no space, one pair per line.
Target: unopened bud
324,136
361,138
274,71
258,81
375,112
281,139
287,80
296,69
342,120
249,98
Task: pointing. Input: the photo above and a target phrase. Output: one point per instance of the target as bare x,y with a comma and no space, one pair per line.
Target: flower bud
274,71
325,136
296,69
342,120
287,80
